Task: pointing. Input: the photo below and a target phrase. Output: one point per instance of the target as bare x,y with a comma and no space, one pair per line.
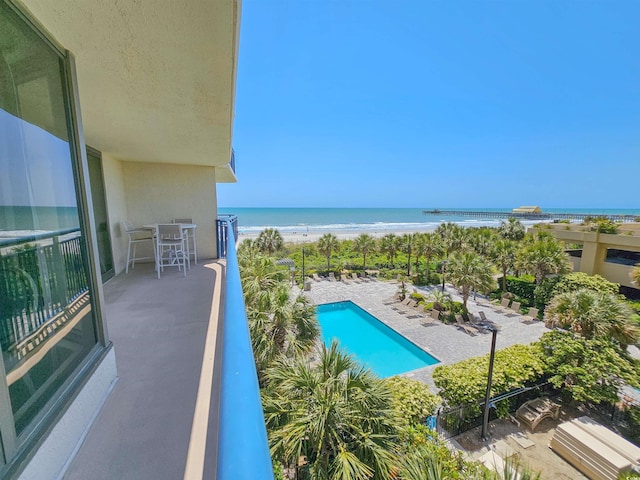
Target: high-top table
186,227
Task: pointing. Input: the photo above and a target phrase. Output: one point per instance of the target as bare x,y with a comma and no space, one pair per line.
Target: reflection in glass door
100,213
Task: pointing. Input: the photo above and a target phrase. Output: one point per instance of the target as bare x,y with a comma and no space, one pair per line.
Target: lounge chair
392,300
476,323
407,306
515,306
411,310
355,278
332,277
504,306
482,316
435,314
468,329
404,302
317,278
345,279
429,319
531,316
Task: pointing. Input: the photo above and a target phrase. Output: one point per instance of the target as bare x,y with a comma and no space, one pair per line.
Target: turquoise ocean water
310,220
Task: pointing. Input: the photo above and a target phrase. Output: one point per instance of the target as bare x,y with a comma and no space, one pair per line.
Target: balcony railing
243,452
223,224
40,276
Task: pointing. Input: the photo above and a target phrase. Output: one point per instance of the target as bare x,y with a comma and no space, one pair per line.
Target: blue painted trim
243,446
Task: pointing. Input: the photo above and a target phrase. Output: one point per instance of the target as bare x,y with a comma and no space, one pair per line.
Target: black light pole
444,271
485,420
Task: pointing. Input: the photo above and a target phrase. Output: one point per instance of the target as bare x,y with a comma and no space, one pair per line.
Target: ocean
374,220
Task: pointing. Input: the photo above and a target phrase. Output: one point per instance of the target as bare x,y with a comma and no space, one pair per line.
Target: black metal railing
39,277
223,223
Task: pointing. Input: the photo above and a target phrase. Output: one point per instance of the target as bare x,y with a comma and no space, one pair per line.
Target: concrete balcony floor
160,329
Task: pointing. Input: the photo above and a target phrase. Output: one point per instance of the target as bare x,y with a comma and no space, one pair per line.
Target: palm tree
593,315
270,241
451,239
327,245
364,244
335,413
482,240
468,272
389,246
504,254
512,229
406,247
430,248
542,256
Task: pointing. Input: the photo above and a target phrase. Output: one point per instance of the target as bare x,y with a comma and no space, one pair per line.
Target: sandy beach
304,237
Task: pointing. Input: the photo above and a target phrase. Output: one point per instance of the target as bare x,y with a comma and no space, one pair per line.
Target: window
47,318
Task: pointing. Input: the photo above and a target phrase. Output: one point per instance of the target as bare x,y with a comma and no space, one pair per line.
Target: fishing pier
524,214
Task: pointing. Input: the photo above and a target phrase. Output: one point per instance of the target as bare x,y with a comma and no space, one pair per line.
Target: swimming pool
369,340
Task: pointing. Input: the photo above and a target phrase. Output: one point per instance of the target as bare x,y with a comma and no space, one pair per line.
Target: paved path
445,342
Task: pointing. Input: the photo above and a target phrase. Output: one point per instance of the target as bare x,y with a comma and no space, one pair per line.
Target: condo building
116,114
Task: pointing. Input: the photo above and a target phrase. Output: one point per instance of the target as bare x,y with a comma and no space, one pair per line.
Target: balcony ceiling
156,78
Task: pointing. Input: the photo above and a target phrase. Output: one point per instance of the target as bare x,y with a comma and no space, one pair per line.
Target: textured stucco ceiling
156,78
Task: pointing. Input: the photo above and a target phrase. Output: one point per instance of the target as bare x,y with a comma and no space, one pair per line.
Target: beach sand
304,237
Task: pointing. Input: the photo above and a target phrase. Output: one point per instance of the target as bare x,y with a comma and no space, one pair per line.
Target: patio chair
435,314
468,329
504,306
531,316
515,306
482,316
171,250
355,277
345,279
136,236
316,277
332,277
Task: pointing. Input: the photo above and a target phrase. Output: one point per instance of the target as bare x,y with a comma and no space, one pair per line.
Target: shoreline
303,237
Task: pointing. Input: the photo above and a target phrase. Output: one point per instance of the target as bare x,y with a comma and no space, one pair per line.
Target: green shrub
577,280
605,226
522,287
412,400
418,297
464,383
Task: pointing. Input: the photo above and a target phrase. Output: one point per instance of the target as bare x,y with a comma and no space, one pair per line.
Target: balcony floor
159,329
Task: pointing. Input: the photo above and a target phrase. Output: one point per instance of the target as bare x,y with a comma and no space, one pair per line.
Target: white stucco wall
117,208
158,193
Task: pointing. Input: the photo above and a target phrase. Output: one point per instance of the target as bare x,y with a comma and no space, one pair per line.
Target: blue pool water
369,340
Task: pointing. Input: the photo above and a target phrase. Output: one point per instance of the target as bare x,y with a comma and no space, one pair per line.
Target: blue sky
437,104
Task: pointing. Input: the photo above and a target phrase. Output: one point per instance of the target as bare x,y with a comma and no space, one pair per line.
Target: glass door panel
100,214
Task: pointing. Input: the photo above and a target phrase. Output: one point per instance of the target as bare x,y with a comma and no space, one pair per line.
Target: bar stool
191,237
171,248
136,236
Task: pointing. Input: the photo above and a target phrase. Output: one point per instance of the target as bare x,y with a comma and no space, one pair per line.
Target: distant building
612,256
525,209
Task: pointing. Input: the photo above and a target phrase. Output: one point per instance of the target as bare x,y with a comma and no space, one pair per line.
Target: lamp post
485,420
444,270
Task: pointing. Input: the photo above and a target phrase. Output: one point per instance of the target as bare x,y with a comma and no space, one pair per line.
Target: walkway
445,342
159,329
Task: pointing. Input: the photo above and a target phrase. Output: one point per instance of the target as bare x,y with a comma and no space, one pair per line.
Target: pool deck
445,342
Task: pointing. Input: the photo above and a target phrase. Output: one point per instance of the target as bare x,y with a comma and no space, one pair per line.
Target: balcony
187,403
